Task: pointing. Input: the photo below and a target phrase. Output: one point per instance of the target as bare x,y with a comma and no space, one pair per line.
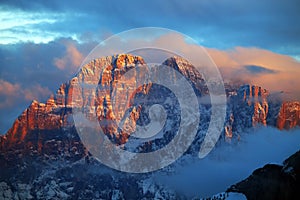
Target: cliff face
36,116
289,115
55,115
247,107
91,90
251,106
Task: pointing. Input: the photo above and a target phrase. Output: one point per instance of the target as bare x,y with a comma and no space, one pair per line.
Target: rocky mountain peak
56,114
252,93
189,71
256,97
248,105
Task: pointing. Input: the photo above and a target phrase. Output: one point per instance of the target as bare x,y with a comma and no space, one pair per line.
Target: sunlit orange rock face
103,85
251,106
36,116
257,97
289,115
100,90
248,107
102,93
100,78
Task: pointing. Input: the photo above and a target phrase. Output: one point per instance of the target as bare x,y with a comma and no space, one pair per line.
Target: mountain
43,157
248,105
251,106
41,124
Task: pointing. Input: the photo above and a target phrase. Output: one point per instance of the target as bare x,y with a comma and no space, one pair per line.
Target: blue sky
43,42
268,24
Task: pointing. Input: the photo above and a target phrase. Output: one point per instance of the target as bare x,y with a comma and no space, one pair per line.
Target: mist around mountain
47,176
273,181
229,164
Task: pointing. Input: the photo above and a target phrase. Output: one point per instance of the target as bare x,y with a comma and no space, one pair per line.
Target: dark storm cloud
270,24
255,69
30,63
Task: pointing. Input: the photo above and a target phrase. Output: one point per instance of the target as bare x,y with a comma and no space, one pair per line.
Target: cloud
12,93
8,92
213,23
27,72
277,72
15,98
21,26
229,164
36,92
71,59
273,71
27,65
256,70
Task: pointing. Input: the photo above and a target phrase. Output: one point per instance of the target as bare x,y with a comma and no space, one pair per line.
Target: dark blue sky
268,24
42,43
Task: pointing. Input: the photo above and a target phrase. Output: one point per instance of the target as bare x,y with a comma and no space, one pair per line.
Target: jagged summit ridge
56,113
248,105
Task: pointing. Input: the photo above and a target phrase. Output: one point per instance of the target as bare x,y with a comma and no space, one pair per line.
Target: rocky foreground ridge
272,181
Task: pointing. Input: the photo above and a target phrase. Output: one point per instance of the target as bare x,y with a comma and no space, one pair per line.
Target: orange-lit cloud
272,71
8,92
8,89
232,65
71,60
36,92
11,94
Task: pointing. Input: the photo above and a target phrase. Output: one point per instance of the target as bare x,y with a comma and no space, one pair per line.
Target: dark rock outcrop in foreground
273,181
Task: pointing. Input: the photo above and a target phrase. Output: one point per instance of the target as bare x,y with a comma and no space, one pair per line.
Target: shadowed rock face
273,181
248,108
